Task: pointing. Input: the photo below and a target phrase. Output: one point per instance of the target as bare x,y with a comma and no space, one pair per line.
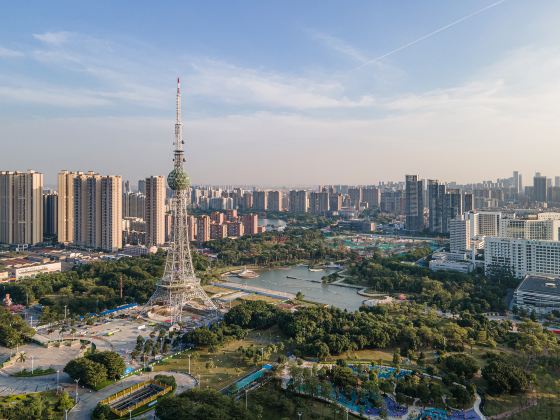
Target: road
88,400
10,385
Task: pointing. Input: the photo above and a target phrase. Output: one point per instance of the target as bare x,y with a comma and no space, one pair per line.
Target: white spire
178,129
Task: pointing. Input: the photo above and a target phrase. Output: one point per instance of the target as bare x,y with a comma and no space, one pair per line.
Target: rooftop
540,284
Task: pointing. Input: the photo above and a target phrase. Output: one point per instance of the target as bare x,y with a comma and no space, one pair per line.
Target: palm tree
22,357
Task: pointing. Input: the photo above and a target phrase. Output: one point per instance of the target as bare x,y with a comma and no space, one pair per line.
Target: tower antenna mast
179,287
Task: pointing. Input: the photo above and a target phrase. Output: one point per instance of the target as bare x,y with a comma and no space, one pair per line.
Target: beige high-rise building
155,210
65,211
21,207
98,211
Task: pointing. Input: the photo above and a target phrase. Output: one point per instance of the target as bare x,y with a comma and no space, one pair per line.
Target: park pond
300,279
273,224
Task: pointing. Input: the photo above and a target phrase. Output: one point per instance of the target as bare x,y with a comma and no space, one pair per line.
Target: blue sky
285,92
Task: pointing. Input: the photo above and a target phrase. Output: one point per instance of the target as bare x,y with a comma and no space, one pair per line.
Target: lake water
273,224
341,297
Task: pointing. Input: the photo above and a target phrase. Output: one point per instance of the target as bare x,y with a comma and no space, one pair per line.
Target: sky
285,92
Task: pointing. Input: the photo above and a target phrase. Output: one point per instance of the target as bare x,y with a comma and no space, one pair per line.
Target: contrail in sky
429,35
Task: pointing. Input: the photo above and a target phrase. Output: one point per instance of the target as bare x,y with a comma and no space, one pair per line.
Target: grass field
384,356
228,364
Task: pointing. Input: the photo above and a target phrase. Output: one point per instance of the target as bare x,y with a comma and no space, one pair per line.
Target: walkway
257,290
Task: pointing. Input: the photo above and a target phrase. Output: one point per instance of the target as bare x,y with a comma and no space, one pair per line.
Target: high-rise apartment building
371,196
155,210
260,200
539,188
436,194
414,203
21,207
98,211
299,201
356,196
274,201
319,203
251,224
335,202
191,225
134,204
452,207
203,228
50,216
65,218
392,202
247,202
468,202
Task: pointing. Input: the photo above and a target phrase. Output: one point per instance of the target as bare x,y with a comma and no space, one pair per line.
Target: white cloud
53,38
9,53
250,87
339,46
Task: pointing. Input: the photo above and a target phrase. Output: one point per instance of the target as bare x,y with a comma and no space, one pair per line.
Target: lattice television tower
179,287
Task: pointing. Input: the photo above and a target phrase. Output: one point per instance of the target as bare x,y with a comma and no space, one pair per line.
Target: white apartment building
467,232
544,229
523,256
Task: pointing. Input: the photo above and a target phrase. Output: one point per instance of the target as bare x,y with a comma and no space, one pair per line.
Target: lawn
36,372
384,356
267,299
229,364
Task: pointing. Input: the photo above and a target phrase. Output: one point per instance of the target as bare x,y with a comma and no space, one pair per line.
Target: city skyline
328,95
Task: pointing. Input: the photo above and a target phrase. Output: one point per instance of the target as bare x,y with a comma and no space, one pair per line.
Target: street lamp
32,357
189,364
57,377
245,399
299,414
76,380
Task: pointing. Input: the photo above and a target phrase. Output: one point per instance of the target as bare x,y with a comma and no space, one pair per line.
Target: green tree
65,402
112,361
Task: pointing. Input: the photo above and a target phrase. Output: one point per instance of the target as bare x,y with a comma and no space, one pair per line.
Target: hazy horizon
283,94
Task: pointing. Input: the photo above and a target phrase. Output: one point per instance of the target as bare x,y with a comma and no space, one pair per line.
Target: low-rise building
538,293
450,261
33,270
